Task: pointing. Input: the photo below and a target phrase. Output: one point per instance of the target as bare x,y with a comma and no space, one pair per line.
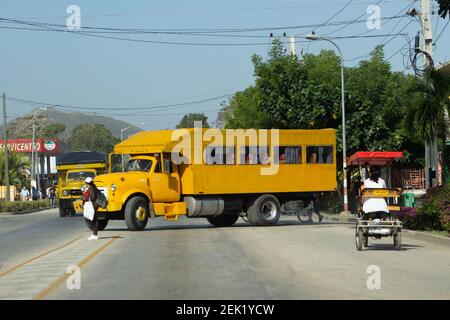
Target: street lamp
344,145
33,152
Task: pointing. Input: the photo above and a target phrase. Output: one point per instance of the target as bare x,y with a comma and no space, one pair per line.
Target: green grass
21,206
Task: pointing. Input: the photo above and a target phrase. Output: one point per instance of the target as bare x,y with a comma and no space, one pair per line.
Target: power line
383,43
336,14
442,31
351,22
69,107
174,12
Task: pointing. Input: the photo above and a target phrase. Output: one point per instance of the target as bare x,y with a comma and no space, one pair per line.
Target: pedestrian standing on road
90,194
52,196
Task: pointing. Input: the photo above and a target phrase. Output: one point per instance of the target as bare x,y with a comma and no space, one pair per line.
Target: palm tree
19,169
428,113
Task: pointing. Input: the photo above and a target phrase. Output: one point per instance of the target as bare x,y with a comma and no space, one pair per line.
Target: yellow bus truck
73,168
216,174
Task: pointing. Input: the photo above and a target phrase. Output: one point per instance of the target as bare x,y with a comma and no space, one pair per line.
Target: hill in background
23,126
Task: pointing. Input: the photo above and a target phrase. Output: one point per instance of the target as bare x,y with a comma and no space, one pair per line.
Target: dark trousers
93,225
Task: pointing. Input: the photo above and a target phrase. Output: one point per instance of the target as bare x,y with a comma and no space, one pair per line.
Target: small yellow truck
73,168
216,174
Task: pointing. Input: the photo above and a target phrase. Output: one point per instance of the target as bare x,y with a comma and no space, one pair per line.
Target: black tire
132,210
398,241
223,220
304,216
359,240
62,212
366,241
264,211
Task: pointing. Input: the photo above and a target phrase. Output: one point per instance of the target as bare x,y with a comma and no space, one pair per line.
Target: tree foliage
92,137
305,93
188,120
19,169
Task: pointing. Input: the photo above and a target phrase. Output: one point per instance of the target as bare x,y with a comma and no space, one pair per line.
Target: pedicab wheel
359,239
303,216
398,240
366,241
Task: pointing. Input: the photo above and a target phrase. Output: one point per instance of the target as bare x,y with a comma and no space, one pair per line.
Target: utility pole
292,45
431,151
5,149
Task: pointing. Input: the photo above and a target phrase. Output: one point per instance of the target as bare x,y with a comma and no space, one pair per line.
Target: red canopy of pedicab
374,158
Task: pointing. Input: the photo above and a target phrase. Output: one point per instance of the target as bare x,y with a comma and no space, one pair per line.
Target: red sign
49,146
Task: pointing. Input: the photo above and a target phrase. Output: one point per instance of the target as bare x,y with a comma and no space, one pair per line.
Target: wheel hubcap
141,213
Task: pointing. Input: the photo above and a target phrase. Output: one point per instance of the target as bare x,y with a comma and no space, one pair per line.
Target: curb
23,212
417,235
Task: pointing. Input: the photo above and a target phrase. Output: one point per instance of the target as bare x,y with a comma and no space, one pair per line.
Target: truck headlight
113,188
65,193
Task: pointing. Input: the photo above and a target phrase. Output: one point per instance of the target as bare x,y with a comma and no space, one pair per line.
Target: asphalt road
190,259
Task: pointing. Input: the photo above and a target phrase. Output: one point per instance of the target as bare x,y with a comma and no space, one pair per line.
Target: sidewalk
417,235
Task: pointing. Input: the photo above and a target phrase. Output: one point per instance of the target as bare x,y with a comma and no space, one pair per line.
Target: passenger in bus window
330,158
313,157
230,157
282,158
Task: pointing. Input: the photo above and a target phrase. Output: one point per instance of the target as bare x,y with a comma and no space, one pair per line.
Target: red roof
374,158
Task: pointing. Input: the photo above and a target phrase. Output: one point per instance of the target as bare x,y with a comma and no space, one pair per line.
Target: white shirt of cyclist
375,204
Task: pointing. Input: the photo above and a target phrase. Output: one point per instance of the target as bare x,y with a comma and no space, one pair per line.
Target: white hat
88,180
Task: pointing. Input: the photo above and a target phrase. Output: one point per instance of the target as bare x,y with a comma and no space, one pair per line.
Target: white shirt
375,204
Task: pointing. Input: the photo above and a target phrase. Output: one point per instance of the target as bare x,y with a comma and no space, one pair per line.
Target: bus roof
161,140
81,158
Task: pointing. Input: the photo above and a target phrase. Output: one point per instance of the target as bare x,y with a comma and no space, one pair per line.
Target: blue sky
74,70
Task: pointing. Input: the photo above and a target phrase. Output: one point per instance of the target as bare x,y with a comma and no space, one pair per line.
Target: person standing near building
24,194
52,196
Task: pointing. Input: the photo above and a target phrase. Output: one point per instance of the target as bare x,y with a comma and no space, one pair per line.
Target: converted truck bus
219,175
73,168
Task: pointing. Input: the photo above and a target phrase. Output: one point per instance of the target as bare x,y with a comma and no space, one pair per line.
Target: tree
92,137
19,169
243,111
189,119
52,131
444,8
429,107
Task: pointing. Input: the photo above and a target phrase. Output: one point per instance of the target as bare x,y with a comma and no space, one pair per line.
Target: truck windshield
139,165
80,175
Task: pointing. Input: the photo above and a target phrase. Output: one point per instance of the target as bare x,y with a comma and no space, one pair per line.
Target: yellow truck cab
73,168
216,174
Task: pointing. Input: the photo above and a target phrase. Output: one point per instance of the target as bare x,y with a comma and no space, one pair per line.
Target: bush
19,206
434,214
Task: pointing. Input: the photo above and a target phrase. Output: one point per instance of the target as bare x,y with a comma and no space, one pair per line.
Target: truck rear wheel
264,211
223,220
136,213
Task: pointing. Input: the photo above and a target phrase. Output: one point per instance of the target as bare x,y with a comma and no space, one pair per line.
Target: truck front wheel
62,212
136,213
264,211
223,220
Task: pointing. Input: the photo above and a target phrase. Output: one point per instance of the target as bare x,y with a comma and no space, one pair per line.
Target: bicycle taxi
367,224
